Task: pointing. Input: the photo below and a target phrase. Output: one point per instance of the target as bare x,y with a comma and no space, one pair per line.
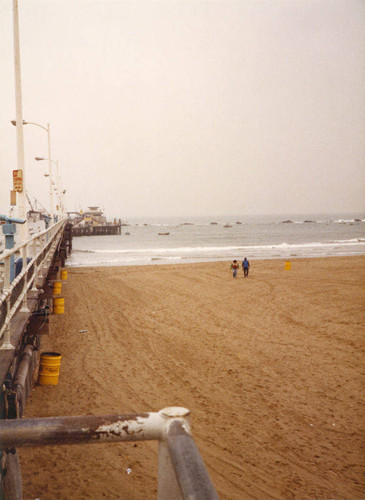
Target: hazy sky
190,107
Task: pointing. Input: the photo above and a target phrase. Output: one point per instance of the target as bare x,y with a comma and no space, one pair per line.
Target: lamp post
48,130
37,158
22,211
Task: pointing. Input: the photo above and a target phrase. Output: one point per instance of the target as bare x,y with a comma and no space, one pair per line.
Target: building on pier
92,222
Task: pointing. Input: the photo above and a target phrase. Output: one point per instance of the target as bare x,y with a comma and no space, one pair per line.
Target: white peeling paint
125,427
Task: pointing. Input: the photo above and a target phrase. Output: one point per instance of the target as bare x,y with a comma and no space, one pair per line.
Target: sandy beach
271,367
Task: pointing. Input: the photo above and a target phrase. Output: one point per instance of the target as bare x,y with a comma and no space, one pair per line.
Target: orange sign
18,180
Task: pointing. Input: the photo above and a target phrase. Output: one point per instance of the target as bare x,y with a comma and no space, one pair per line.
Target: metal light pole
22,202
50,170
48,130
37,158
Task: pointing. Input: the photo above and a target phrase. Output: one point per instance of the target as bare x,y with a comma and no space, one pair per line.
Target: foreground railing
181,472
13,294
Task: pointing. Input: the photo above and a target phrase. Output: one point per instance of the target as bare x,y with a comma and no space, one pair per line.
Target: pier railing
181,473
36,254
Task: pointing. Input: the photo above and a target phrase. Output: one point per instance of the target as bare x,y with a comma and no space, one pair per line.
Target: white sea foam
201,240
203,249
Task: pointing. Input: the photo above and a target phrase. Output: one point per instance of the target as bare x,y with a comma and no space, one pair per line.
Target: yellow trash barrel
64,275
58,305
49,368
287,266
57,287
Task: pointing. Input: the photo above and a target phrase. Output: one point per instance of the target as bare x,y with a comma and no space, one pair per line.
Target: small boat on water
163,234
227,225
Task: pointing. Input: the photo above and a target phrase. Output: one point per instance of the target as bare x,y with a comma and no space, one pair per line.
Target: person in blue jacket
245,267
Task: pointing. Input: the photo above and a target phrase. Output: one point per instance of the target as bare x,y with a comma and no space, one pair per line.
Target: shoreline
183,261
220,261
270,366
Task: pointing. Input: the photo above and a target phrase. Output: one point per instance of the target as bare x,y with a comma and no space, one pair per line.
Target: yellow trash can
58,305
287,266
57,287
64,275
49,368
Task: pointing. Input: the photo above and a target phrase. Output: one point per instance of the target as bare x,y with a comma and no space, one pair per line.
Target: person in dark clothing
245,267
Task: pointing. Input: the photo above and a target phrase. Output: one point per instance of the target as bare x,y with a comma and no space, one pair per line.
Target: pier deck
104,230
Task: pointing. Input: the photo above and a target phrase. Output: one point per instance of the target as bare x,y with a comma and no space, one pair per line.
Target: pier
103,230
29,293
27,273
93,222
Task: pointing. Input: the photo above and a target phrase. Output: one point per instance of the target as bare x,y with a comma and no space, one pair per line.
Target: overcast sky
190,107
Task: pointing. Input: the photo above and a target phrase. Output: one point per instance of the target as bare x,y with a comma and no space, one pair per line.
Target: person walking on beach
245,267
234,267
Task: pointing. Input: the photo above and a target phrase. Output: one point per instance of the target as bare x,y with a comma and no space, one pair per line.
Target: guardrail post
37,252
168,487
25,255
9,230
7,265
7,345
190,471
34,284
24,265
34,257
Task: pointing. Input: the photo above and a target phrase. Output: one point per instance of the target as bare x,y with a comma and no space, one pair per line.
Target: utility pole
50,172
22,201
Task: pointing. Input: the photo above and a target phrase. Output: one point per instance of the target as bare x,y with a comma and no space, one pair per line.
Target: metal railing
181,471
13,294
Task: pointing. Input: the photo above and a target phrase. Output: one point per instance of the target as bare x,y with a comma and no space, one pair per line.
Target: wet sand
271,367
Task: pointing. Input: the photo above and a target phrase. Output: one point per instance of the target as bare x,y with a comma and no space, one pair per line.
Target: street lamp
48,130
22,211
58,188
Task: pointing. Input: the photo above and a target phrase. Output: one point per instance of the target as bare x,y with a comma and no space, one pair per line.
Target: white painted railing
13,294
181,471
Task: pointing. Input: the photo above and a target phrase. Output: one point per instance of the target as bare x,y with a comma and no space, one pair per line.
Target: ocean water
204,239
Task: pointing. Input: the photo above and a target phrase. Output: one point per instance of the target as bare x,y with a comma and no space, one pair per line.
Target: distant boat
163,234
227,225
238,222
214,223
